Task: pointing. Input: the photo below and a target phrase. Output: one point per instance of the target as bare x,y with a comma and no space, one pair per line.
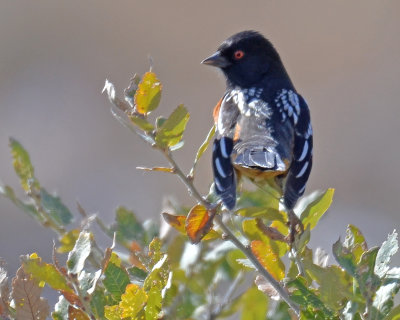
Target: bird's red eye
239,54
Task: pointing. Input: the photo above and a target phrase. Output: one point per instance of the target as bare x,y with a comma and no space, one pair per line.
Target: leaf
154,304
137,273
113,312
26,295
385,253
171,131
142,123
270,214
162,169
254,305
177,222
314,211
57,211
334,284
394,314
344,257
30,209
383,300
367,280
68,241
44,272
355,242
132,301
202,149
268,258
268,198
127,226
155,250
148,93
116,278
307,297
61,309
198,223
97,303
23,166
80,252
129,92
76,314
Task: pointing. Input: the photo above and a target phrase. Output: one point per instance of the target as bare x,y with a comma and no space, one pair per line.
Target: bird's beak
216,60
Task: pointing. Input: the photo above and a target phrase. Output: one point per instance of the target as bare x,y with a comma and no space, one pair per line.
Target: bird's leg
295,226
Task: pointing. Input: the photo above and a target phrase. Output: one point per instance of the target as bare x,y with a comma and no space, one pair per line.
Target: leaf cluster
197,263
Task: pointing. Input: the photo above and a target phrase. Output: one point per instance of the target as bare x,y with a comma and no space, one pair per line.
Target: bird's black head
246,58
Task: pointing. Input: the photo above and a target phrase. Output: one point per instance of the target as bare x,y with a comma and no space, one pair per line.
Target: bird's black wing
293,107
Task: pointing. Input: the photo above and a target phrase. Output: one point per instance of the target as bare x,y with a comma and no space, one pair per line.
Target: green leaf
137,273
267,198
355,242
44,272
394,314
127,226
385,253
334,284
132,301
68,241
202,149
254,305
171,132
80,252
142,123
367,280
307,297
56,210
344,257
148,93
116,278
30,209
97,303
23,166
270,214
314,210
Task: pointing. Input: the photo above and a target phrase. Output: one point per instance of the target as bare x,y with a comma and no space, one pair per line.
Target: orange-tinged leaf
76,314
198,223
148,94
268,258
177,222
72,298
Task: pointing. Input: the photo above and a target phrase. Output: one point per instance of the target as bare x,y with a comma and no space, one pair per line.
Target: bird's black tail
224,174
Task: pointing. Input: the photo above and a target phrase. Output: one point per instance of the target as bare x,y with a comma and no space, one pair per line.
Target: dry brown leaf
76,314
26,294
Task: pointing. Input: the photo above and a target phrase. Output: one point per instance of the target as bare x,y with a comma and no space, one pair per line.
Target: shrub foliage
197,263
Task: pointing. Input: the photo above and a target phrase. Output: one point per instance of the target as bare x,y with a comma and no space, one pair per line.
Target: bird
263,126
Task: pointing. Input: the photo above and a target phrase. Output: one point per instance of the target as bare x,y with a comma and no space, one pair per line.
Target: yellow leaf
148,94
268,258
177,222
132,301
113,312
68,241
198,223
44,272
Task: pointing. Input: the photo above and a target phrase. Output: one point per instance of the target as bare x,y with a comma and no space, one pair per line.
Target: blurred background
343,56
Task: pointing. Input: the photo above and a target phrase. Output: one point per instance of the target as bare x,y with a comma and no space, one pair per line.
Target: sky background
343,57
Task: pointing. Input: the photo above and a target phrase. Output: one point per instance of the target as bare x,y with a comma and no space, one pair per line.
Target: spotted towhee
263,124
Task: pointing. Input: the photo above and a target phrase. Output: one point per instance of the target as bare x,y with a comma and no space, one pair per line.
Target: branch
149,139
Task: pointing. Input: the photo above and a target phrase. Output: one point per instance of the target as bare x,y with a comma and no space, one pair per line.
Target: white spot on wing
223,148
305,150
300,174
221,171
